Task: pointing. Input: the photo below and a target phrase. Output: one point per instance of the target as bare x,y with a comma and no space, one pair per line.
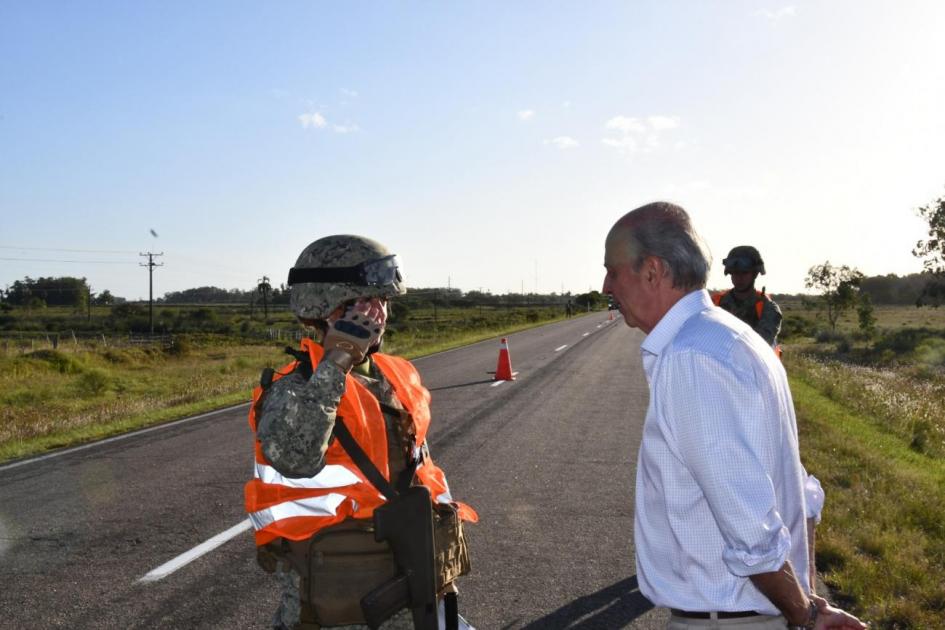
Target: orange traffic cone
503,371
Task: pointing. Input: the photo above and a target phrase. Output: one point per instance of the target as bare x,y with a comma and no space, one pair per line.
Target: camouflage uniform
768,325
295,425
297,415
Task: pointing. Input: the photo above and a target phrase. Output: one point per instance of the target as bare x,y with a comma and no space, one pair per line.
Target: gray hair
664,230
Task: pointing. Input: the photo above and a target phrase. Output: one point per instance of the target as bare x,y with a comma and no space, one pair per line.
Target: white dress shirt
720,487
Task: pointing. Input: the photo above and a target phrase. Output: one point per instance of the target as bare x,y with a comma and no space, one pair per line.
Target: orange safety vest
759,307
759,303
297,508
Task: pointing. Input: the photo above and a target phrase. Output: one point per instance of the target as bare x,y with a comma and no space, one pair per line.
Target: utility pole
264,287
151,265
89,287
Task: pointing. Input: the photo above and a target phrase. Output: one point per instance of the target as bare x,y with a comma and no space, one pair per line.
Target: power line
57,249
101,262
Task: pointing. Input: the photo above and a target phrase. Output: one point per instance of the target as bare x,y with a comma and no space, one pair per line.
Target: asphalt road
547,460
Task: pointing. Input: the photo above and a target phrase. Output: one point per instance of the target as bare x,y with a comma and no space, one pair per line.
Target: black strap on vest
361,460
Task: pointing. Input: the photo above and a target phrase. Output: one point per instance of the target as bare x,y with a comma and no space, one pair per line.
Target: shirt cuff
746,562
813,498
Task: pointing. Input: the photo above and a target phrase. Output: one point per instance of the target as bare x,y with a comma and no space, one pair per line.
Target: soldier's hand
355,331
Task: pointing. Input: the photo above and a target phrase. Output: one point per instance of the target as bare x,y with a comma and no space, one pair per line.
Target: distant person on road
341,458
720,508
569,309
753,307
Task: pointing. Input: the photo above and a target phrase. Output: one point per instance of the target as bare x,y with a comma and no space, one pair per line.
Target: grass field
85,390
881,544
871,413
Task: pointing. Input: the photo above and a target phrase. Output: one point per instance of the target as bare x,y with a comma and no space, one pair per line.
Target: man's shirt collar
666,329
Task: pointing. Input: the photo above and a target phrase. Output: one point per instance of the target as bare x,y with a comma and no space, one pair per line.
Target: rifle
405,521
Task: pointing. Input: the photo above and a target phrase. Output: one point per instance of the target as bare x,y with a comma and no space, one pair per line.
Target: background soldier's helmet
337,269
744,258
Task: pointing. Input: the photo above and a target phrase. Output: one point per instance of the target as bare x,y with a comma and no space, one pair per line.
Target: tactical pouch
343,563
452,556
338,566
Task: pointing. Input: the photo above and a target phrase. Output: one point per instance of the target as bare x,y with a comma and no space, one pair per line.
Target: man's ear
653,270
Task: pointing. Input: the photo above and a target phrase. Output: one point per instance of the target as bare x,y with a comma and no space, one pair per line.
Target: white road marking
185,558
497,383
560,348
585,334
120,437
599,325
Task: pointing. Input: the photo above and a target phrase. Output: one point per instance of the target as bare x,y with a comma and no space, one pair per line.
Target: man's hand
830,617
355,331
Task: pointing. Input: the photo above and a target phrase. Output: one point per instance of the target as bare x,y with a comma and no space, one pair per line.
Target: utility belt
364,571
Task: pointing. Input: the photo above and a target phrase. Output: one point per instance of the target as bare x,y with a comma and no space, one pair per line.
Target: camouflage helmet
337,269
744,258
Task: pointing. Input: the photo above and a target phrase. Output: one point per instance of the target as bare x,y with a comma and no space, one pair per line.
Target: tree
864,311
838,288
63,291
932,253
105,298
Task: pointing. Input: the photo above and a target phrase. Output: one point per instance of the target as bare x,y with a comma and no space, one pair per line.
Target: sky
491,145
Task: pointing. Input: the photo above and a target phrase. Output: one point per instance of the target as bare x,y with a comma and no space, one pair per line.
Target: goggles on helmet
372,273
740,263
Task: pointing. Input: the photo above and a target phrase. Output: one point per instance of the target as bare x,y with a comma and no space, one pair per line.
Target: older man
720,527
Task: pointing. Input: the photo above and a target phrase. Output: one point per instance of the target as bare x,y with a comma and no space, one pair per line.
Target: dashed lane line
185,558
560,348
497,383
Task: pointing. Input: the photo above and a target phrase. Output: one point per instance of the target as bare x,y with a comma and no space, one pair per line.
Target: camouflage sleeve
297,417
770,323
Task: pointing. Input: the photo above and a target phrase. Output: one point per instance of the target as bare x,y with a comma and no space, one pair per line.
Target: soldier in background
753,307
341,443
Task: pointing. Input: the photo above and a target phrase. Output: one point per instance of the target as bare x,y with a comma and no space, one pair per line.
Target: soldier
753,307
350,511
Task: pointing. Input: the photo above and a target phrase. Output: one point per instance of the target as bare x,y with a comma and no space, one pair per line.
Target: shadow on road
436,389
611,607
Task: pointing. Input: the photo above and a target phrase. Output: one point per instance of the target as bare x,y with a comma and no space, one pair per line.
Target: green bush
797,326
61,362
93,382
181,346
931,352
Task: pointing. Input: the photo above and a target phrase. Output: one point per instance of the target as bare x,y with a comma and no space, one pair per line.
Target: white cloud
659,123
638,134
626,124
566,105
349,128
526,114
312,119
563,142
778,14
626,144
348,93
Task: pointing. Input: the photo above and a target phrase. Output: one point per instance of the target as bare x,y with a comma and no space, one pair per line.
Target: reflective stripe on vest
297,508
